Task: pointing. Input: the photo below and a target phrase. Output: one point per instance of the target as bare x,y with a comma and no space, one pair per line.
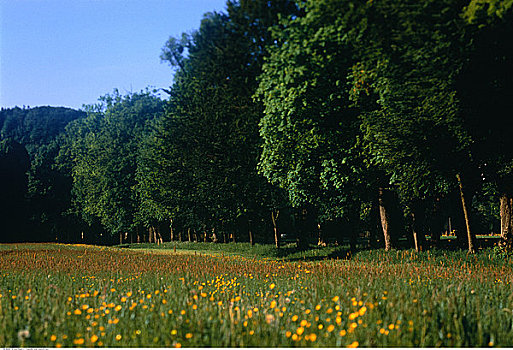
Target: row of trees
322,118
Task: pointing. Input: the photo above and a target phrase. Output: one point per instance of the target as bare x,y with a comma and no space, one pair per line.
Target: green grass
208,295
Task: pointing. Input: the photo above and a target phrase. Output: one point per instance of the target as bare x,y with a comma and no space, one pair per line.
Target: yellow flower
272,285
317,307
343,333
353,345
294,318
78,341
331,328
295,337
391,326
118,337
77,312
300,330
288,334
303,323
123,299
178,345
313,337
335,299
94,338
53,338
273,304
117,308
188,335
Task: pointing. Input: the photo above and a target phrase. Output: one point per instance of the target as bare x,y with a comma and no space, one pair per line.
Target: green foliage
102,151
204,150
310,129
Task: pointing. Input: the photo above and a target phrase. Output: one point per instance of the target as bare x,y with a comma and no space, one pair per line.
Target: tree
102,149
486,88
311,129
208,142
410,55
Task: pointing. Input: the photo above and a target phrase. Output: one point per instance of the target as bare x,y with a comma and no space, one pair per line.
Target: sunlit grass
81,296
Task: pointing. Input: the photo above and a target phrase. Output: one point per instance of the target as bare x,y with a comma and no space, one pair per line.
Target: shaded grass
285,252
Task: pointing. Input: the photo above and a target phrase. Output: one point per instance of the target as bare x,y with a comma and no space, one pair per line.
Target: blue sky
70,52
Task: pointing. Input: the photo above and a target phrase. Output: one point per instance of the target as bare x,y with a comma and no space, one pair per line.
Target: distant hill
35,127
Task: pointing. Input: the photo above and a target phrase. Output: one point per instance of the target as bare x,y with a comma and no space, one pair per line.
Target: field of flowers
54,295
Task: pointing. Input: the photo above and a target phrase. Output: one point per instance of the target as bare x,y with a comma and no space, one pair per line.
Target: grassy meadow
55,295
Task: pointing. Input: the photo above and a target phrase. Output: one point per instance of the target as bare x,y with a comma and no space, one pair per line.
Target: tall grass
66,296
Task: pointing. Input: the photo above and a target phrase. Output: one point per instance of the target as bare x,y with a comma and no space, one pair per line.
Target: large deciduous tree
102,149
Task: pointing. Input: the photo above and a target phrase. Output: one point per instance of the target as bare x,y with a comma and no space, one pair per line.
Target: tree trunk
250,233
418,237
274,218
320,238
384,214
160,240
466,209
171,233
189,234
506,211
120,238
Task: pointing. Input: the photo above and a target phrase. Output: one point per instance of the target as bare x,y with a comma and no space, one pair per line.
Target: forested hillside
319,120
35,195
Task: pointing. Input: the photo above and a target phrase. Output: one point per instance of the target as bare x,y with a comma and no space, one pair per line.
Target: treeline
322,119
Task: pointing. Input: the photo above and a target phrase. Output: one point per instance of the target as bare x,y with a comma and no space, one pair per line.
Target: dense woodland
321,120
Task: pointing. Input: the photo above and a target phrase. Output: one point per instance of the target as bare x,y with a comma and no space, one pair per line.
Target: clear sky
70,52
